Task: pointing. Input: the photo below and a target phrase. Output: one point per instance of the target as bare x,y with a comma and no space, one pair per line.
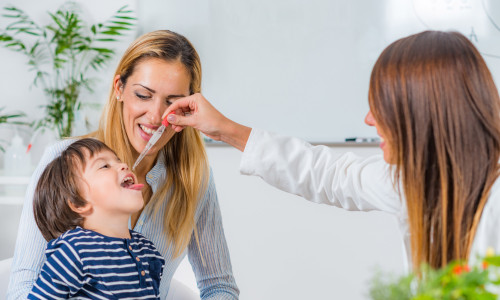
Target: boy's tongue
136,187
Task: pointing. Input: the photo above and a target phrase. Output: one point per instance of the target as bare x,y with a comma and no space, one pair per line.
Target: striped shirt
214,277
84,264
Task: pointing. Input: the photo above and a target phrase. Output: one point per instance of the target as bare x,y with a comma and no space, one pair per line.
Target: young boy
82,203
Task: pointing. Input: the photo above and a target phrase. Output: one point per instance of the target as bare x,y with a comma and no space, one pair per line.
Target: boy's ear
81,210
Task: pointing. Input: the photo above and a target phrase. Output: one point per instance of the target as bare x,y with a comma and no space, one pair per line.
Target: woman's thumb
178,120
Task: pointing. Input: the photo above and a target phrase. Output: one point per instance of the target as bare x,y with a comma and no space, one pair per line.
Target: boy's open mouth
129,183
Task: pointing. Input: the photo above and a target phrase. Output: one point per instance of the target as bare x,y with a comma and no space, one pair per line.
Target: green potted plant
61,54
456,281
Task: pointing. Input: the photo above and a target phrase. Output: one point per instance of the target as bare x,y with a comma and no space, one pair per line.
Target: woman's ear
118,87
81,210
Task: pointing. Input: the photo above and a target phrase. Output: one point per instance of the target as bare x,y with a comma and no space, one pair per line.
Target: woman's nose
123,166
155,112
369,119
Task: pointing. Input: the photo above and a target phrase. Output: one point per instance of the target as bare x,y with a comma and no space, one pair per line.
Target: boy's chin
133,203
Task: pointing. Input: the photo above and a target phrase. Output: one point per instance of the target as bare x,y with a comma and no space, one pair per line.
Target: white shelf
11,200
22,180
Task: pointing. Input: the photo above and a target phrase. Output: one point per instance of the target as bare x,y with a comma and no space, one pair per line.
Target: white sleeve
319,174
29,253
487,236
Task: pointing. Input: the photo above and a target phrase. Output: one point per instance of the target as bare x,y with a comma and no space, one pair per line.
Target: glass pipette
152,141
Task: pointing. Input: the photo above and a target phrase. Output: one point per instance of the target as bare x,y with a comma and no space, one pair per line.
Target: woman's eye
105,166
143,97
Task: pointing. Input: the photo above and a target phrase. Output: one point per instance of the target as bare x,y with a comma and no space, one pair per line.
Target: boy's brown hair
59,184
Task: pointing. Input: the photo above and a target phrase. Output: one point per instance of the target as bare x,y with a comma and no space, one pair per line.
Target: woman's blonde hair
185,158
434,98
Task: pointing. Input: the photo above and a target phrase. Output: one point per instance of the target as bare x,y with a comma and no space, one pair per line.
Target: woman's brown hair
184,154
434,97
59,185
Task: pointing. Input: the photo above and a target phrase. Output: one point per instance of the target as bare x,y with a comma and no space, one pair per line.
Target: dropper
152,141
32,139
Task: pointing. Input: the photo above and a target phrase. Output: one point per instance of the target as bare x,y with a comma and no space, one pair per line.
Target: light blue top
215,278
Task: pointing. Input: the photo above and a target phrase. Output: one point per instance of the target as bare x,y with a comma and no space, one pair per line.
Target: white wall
309,62
284,247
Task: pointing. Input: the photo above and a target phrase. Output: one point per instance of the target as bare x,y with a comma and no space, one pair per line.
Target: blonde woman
435,106
181,213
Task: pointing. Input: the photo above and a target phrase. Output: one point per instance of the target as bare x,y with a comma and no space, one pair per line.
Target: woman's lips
144,135
148,128
382,142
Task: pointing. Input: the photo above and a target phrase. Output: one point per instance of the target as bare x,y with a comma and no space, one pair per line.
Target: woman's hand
195,111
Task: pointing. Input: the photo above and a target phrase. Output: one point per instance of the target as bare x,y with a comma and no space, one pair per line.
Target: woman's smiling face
148,91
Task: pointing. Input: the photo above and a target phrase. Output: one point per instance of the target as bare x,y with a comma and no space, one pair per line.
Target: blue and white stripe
87,265
215,277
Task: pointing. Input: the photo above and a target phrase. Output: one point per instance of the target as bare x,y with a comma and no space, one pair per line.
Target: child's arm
61,275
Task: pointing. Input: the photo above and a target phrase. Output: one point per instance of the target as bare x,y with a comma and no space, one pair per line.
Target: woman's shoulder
56,148
51,152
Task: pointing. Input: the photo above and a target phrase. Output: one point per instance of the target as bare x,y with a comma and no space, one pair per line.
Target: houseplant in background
456,281
61,54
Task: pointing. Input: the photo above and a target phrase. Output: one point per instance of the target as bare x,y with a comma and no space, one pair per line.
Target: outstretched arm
195,111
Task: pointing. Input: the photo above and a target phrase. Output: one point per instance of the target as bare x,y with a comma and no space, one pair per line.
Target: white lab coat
345,180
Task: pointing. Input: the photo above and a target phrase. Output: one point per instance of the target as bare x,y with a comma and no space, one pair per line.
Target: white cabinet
12,189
